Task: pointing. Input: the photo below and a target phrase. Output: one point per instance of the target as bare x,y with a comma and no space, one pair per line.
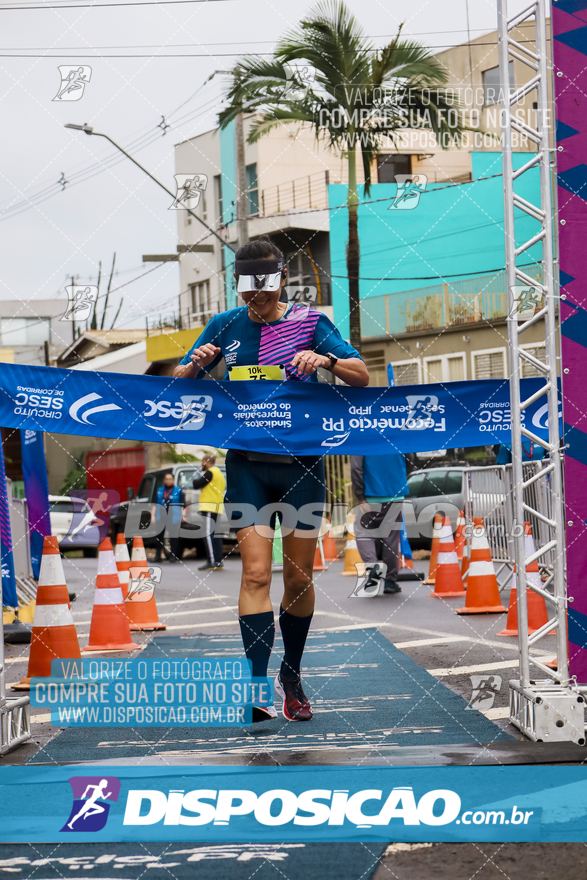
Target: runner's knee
256,580
296,583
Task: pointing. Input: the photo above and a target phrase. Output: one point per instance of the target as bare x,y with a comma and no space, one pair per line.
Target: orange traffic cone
482,589
319,557
109,629
142,615
54,635
537,613
407,563
460,539
122,563
329,547
353,564
437,526
448,574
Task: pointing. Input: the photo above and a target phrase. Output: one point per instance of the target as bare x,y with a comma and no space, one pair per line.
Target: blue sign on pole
36,488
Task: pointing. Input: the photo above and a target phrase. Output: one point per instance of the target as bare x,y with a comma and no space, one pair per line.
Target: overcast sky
120,209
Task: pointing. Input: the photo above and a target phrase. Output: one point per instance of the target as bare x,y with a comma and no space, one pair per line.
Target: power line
108,162
154,56
102,5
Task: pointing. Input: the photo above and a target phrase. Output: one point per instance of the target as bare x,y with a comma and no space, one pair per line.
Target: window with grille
25,331
201,306
445,368
529,371
390,164
406,374
375,363
252,190
492,86
219,201
489,365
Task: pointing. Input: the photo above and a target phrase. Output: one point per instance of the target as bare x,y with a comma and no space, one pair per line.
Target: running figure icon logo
142,588
525,301
485,688
409,189
73,82
81,299
189,189
90,802
298,82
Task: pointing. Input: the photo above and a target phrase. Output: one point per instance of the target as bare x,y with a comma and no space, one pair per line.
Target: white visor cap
259,282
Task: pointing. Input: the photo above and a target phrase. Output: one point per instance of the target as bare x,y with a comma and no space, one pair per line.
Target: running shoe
264,713
391,587
296,706
209,567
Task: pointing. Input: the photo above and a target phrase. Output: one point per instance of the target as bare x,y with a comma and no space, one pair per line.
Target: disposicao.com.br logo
367,808
91,796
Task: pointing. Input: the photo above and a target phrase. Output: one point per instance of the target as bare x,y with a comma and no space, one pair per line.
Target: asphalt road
450,646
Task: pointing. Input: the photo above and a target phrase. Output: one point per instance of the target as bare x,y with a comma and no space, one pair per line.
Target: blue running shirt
247,343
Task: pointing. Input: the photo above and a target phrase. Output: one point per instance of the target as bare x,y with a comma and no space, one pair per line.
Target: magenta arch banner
569,22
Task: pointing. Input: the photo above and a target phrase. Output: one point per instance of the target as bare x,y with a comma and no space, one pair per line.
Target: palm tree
361,98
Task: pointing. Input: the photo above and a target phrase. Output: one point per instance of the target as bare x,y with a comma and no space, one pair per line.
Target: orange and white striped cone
536,605
482,588
54,636
109,628
407,563
436,528
465,563
142,615
329,547
448,573
122,563
319,557
460,539
353,563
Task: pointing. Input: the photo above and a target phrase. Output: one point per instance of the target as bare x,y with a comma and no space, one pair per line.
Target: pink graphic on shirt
295,332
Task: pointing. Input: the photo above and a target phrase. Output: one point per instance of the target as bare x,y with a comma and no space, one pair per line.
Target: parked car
74,524
147,495
441,490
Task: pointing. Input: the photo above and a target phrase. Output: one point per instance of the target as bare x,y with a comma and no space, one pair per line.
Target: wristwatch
333,360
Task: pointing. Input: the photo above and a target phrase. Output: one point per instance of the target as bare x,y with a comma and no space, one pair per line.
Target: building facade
432,281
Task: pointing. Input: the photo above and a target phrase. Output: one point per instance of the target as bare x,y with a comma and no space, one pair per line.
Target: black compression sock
295,632
258,634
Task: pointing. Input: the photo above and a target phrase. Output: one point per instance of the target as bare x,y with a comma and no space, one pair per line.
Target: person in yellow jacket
212,485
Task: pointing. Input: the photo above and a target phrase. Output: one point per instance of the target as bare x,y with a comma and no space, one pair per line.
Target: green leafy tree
360,98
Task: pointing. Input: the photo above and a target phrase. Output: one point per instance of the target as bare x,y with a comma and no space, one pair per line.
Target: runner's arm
327,340
351,370
205,353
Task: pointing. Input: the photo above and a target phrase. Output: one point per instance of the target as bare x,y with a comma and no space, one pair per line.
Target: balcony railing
482,298
300,194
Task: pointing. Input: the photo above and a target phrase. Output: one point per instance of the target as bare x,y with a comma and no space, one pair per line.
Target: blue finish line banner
278,417
278,804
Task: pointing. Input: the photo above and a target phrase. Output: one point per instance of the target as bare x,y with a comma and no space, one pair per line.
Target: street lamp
87,129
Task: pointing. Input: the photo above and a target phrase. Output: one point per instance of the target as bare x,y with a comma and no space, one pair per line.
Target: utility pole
73,313
242,202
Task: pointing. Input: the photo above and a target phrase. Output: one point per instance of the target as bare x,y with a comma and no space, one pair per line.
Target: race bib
272,372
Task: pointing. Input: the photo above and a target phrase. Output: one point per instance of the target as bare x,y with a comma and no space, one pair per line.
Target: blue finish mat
176,861
365,693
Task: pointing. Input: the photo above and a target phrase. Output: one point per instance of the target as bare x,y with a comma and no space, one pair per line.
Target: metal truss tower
551,708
